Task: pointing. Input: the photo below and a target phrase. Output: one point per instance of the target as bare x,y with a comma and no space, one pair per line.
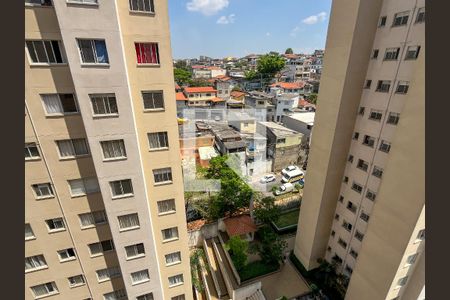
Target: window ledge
158,149
174,263
140,12
74,3
148,65
45,197
78,195
170,240
56,230
94,65
135,257
74,157
163,183
46,295
67,259
37,5
96,255
55,116
77,285
105,116
115,159
129,228
30,238
177,284
33,159
122,196
36,269
153,109
167,213
39,65
141,281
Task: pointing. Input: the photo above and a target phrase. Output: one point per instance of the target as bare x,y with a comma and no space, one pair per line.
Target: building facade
364,201
103,183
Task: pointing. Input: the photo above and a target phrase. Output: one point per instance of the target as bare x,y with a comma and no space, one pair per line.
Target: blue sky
220,28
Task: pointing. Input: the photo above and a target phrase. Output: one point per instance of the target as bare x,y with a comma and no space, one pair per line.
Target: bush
257,268
238,251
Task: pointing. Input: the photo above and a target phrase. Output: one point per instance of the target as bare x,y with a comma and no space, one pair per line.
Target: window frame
382,21
148,296
94,218
166,173
124,195
382,84
39,5
152,93
69,257
371,141
150,12
377,170
85,191
371,195
75,156
355,189
48,185
94,52
118,144
173,237
177,283
375,53
64,113
103,251
160,134
136,248
105,98
402,15
50,64
31,157
83,281
121,220
382,148
109,273
375,115
144,271
157,53
178,255
407,57
167,212
54,288
32,236
389,51
32,259
420,11
54,221
393,118
402,87
82,2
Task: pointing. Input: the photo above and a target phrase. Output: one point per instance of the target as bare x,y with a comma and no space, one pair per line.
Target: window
66,254
402,87
135,251
375,54
116,295
359,236
402,281
368,84
420,15
153,100
368,141
93,51
77,280
345,179
121,188
351,207
100,247
347,226
104,104
166,206
412,259
281,141
393,118
180,297
348,269
342,243
371,195
142,6
385,146
364,217
162,175
56,224
39,2
173,258
391,53
363,165
350,158
412,52
31,151
29,234
170,234
83,186
353,253
361,110
356,135
59,104
43,190
45,289
45,52
329,249
108,273
89,220
176,280
158,140
148,296
356,187
383,86
127,222
400,18
421,235
375,115
114,149
333,233
377,171
147,53
36,262
84,1
72,148
341,199
336,217
139,277
382,21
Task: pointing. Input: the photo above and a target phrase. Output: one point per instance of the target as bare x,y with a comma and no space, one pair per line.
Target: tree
298,187
182,76
289,51
312,98
181,64
251,75
270,64
196,258
271,247
199,82
238,251
266,211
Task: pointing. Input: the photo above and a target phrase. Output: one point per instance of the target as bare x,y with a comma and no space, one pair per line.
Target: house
205,154
182,103
201,72
192,140
224,85
236,100
285,103
227,140
283,144
241,122
216,71
302,122
203,97
287,87
261,102
242,226
305,105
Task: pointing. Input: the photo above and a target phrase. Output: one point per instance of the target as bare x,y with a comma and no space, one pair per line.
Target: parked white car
289,169
284,188
268,178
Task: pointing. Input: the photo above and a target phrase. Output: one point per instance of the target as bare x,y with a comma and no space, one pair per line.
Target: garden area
287,219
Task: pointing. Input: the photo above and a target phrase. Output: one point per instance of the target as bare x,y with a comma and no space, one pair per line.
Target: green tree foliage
195,259
181,64
182,76
238,251
271,246
312,98
270,64
289,51
265,210
251,75
199,82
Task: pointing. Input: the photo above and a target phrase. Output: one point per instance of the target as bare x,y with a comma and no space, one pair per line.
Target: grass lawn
288,219
255,269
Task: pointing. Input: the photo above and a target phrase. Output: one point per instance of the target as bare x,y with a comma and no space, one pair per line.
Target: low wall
246,291
196,237
228,257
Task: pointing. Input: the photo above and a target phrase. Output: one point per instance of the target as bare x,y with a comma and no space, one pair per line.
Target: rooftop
200,89
238,225
207,153
289,85
260,95
278,129
305,117
237,94
179,96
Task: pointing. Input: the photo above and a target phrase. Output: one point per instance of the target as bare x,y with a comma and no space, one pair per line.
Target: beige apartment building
103,183
364,201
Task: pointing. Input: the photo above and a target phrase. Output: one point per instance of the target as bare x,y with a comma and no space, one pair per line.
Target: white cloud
226,20
320,17
294,31
207,7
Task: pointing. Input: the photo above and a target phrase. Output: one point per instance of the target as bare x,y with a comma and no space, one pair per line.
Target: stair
214,271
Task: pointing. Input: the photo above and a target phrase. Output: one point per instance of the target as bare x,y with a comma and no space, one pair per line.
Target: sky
222,28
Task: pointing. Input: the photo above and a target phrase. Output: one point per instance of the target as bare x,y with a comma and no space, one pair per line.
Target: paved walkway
287,283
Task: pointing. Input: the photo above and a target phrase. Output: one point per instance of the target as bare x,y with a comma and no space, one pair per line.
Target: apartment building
103,184
364,201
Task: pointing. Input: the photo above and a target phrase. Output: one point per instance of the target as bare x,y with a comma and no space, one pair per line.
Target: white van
284,188
293,176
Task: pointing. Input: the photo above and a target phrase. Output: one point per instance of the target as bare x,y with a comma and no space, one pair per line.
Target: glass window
113,149
72,148
35,262
130,221
104,104
31,151
140,276
45,52
59,104
162,175
166,206
153,100
401,18
45,289
136,250
93,51
43,190
147,53
142,6
121,187
158,140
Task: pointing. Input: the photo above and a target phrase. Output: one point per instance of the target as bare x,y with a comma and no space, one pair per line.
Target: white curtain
66,148
127,221
139,276
86,219
77,187
52,104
